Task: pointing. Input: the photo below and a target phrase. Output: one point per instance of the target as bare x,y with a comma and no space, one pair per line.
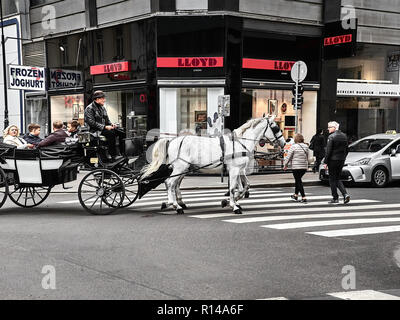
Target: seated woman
11,136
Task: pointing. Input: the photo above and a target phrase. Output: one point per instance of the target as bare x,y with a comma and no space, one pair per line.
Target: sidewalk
214,182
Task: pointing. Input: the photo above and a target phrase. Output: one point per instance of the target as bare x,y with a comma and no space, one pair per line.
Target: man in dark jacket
317,144
336,153
58,136
33,136
97,119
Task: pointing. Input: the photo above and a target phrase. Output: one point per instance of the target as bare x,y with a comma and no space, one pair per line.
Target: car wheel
380,177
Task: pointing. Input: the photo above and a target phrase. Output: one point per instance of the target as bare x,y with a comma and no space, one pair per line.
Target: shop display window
363,116
67,107
36,112
192,103
371,63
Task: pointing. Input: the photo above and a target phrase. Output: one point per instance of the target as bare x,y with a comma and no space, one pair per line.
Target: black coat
337,147
318,144
96,117
32,139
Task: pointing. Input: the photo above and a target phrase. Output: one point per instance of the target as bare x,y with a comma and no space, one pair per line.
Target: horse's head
272,131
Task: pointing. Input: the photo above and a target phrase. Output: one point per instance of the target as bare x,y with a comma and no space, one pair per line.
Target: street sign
224,105
299,71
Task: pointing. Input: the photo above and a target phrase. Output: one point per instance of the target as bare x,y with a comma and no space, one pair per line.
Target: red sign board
346,38
262,64
110,68
190,62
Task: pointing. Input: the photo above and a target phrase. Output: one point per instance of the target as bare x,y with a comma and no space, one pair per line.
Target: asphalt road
208,253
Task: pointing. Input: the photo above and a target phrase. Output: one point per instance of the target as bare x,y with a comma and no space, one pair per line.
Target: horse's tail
159,156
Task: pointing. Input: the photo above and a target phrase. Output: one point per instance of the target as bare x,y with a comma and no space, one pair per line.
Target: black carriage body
45,167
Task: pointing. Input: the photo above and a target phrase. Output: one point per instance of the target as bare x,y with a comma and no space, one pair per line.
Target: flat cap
98,94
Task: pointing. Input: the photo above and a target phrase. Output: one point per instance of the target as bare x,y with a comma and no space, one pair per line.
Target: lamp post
3,49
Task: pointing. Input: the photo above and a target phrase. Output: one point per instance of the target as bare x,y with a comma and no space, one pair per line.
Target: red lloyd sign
262,64
110,68
190,62
346,38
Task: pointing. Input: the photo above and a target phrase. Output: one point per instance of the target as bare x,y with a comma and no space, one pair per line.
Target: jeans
335,169
298,174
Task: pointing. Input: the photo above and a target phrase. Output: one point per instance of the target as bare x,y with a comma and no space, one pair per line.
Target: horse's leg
234,180
169,193
173,182
179,193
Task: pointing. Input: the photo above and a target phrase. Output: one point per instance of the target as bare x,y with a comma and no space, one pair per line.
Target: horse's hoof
183,206
224,203
237,211
163,206
247,194
179,211
227,194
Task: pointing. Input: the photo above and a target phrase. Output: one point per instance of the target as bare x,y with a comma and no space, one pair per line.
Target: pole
4,68
296,106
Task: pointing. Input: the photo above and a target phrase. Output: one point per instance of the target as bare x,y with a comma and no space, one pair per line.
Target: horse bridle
275,131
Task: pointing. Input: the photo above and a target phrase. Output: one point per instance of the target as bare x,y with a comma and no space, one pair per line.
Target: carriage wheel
28,197
101,192
129,179
3,187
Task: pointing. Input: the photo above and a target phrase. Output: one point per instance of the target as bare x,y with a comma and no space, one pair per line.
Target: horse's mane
249,124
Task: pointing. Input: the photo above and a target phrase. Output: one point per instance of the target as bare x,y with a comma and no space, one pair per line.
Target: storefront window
363,116
129,109
192,103
67,107
36,112
371,63
279,103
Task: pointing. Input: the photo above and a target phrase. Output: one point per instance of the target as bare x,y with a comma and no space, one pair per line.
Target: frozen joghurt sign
26,78
61,78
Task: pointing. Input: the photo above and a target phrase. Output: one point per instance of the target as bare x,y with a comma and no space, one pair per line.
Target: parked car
374,159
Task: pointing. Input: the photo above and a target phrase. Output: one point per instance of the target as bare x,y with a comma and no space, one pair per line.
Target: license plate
94,160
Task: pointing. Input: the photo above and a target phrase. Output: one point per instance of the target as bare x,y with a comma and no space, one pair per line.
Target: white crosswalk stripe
350,295
275,207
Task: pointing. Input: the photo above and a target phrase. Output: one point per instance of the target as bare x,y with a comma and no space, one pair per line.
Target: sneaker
346,199
303,200
334,201
293,197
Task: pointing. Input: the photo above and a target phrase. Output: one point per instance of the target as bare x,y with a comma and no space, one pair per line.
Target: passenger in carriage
33,135
11,137
58,136
72,128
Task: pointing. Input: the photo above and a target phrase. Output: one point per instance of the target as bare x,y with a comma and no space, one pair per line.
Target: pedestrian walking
336,153
298,157
317,144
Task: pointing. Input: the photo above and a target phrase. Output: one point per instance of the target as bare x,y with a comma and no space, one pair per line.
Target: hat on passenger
98,94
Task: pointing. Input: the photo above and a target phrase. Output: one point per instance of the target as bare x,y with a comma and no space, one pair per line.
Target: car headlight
361,162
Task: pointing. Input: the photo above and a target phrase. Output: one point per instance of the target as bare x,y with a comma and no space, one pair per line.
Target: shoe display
346,199
334,201
294,197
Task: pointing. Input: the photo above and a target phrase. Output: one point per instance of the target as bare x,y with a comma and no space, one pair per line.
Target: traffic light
298,97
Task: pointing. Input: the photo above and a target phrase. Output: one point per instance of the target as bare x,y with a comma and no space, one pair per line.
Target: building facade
163,63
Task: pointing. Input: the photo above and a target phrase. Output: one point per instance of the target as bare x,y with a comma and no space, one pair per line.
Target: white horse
234,149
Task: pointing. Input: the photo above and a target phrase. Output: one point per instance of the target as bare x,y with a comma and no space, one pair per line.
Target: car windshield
369,145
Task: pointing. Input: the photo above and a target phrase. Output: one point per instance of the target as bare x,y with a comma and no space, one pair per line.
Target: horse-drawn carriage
27,176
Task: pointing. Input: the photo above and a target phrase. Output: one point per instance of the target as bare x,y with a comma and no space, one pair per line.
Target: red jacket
56,137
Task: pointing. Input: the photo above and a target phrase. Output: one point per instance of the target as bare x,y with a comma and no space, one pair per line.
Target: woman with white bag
299,157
